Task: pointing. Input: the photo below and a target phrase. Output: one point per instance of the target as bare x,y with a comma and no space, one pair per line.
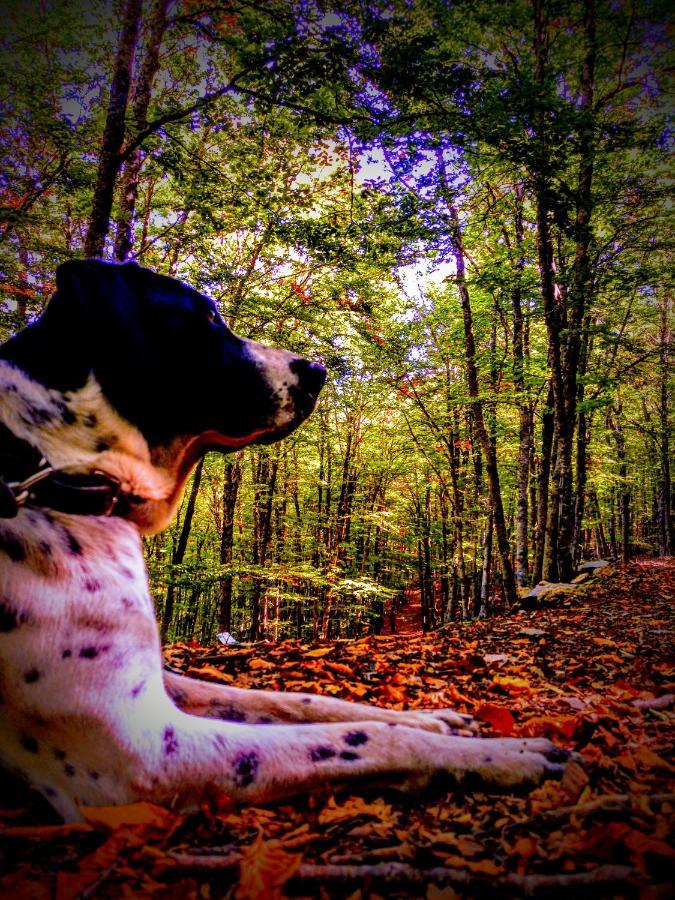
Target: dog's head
165,362
168,363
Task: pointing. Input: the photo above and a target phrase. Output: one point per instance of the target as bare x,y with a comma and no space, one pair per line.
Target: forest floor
593,671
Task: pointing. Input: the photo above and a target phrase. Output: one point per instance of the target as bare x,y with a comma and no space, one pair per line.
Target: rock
585,576
226,638
536,596
532,632
591,565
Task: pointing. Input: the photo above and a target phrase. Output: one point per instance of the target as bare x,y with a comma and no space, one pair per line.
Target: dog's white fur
87,713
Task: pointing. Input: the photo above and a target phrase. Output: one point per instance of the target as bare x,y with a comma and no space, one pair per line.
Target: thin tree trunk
489,454
113,135
525,416
543,480
664,494
483,606
578,298
179,553
231,483
132,167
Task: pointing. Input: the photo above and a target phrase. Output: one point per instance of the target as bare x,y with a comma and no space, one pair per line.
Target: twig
663,702
403,873
609,803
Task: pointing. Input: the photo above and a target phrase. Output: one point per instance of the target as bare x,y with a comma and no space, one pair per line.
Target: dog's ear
94,303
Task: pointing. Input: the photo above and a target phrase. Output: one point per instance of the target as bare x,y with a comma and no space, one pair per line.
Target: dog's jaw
80,431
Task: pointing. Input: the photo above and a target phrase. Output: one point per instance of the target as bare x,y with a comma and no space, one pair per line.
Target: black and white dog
106,404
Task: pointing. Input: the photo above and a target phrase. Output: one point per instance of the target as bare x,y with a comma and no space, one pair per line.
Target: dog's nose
311,375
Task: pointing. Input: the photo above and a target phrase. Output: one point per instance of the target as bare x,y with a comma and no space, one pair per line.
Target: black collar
26,479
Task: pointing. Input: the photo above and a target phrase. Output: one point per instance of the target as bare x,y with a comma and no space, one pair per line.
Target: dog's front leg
217,701
186,755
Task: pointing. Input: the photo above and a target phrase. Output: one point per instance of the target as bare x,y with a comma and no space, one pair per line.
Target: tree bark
664,495
525,417
543,479
179,553
113,135
132,167
578,298
489,453
231,483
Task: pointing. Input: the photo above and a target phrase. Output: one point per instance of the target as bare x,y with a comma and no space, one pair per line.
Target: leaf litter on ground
594,672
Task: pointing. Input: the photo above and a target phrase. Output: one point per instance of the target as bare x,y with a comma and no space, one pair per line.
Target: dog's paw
512,762
441,721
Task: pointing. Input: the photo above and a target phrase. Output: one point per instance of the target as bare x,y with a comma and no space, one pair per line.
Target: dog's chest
74,610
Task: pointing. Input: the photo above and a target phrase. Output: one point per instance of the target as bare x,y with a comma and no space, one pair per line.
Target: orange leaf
357,806
320,651
499,717
513,684
265,868
130,814
652,760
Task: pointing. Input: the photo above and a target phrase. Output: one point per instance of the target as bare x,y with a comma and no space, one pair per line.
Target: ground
591,670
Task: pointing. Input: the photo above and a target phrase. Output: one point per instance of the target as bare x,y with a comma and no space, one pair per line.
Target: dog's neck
80,431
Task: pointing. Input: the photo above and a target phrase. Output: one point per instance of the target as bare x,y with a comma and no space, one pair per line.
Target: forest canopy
460,208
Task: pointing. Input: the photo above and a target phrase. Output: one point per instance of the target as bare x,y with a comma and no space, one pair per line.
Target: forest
460,208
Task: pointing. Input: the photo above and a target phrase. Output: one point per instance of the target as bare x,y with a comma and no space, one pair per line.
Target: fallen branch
609,803
403,873
663,702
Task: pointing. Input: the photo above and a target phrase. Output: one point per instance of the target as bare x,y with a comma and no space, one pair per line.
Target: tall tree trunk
489,454
614,422
664,495
483,605
179,553
578,298
141,102
525,416
543,479
231,482
583,441
113,134
265,486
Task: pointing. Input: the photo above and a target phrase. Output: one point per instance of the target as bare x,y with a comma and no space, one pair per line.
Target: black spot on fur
228,712
91,585
170,741
72,543
31,676
126,573
94,775
67,415
45,548
245,768
349,755
48,791
356,738
90,420
179,697
59,754
264,720
29,743
10,618
89,652
12,546
137,689
66,654
306,701
38,415
319,754
392,724
69,770
101,445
